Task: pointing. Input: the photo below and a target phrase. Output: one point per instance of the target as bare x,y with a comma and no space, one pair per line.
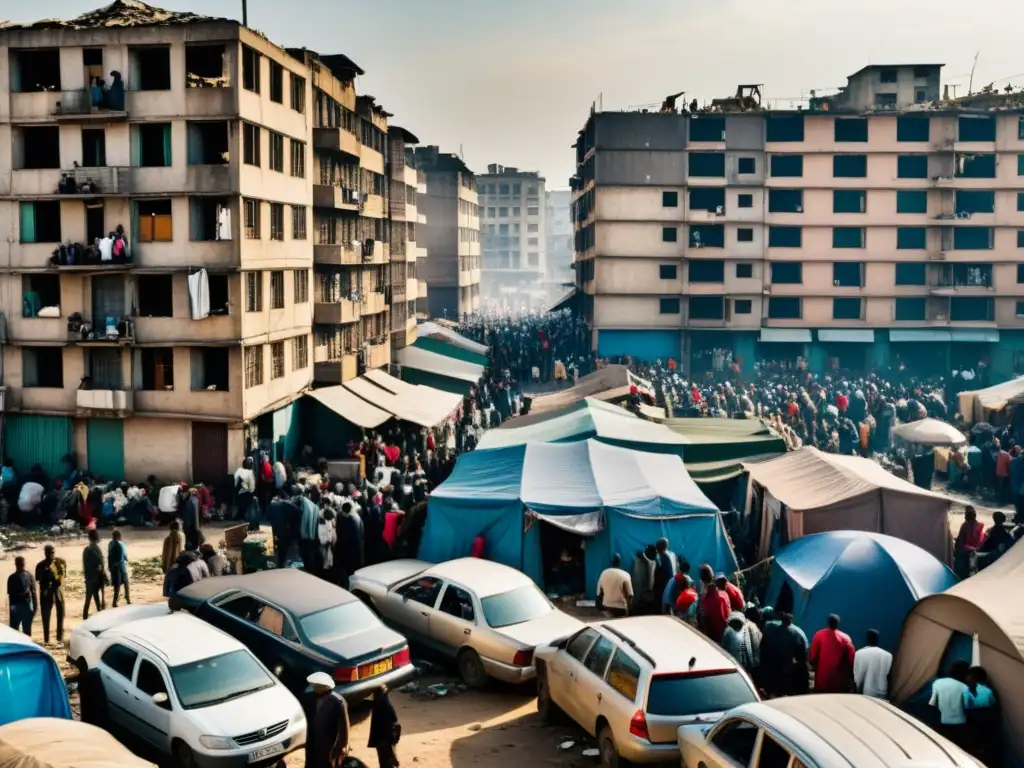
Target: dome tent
30,681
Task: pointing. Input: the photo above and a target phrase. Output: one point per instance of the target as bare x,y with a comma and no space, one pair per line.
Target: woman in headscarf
742,639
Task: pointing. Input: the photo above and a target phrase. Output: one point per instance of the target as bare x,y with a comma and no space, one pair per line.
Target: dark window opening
668,306
744,270
204,66
785,201
910,309
787,166
920,73
669,234
913,128
157,368
910,273
154,145
912,166
745,235
846,309
707,164
787,273
210,368
669,199
250,69
95,221
975,201
847,274
971,309
847,237
981,128
707,308
707,198
94,147
40,222
42,367
887,76
911,201
40,147
911,238
208,143
251,140
218,294
742,306
707,236
36,70
1020,274
276,82
784,237
784,308
785,128
151,69
707,271
746,166
849,166
980,166
667,271
210,219
972,238
707,129
155,296
745,201
103,369
851,129
849,201
39,291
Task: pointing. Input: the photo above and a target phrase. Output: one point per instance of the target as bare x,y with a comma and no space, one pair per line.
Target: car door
153,717
730,744
269,632
590,685
410,606
117,668
453,623
565,666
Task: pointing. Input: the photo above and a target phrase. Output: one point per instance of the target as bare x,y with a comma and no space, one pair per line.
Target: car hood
248,713
365,644
543,631
386,574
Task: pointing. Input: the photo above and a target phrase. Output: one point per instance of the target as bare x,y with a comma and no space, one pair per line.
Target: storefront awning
435,400
439,365
407,407
434,329
786,335
919,334
563,303
857,335
977,335
350,407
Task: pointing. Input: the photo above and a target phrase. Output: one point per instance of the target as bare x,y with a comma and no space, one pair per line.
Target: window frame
277,289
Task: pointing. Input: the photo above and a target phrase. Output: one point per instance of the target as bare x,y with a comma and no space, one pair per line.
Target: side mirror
161,700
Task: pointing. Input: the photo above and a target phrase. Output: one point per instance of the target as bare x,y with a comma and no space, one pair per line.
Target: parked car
635,683
486,616
298,624
84,643
820,731
196,694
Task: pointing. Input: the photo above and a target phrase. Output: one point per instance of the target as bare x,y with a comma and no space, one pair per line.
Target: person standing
664,569
95,574
686,600
871,666
174,545
385,730
714,607
782,649
117,563
615,589
327,724
731,591
948,696
21,597
245,490
831,658
191,521
50,574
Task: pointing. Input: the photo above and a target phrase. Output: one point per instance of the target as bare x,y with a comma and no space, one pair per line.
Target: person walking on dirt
95,574
117,562
50,574
21,597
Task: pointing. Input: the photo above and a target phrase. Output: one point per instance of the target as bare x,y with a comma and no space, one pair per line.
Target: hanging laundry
199,294
223,222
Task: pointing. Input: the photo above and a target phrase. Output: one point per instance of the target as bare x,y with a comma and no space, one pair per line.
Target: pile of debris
120,13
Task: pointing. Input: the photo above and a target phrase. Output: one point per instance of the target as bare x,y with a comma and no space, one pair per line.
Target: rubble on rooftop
120,13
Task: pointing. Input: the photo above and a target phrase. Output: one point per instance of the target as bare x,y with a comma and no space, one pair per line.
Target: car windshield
218,679
523,604
338,622
697,694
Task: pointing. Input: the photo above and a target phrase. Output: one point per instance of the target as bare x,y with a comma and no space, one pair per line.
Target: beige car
636,683
485,616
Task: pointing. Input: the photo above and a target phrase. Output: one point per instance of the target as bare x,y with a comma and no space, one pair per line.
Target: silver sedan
486,616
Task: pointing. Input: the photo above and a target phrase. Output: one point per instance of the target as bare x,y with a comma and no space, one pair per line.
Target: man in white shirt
948,697
871,666
615,589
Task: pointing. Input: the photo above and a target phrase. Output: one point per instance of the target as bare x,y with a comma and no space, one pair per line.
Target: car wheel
546,708
609,753
183,757
471,669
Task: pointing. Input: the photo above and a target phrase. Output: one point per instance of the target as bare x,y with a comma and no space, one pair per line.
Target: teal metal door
43,440
105,446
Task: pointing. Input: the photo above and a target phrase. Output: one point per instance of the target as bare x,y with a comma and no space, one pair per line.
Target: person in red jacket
714,608
686,603
831,658
730,590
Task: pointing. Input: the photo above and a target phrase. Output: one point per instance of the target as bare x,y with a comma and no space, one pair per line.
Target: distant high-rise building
559,236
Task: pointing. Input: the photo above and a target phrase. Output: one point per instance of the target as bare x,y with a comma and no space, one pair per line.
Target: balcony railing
114,401
86,332
78,104
96,181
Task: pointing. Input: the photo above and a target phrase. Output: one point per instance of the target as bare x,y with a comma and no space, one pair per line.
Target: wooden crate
235,535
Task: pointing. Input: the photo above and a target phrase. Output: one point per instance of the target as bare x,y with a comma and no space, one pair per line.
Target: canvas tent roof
31,685
439,365
718,447
435,400
436,330
425,409
350,407
981,604
442,346
609,383
47,742
929,432
828,492
975,404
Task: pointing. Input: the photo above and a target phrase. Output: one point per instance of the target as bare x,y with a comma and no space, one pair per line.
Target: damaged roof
120,13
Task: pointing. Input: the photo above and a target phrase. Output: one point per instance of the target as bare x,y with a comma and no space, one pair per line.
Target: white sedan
83,646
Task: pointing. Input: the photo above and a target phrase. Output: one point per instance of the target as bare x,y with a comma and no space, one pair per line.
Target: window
39,291
846,309
94,147
250,69
736,741
276,221
970,310
706,164
746,166
787,272
972,238
250,144
1019,312
624,675
1020,201
784,308
912,128
209,219
152,145
785,200
668,306
976,166
532,211
276,289
253,366
209,369
423,591
120,659
669,234
458,603
707,198
784,128
910,273
155,295
36,70
787,166
887,76
667,271
912,166
150,69
516,212
706,307
40,222
156,224
669,199
911,201
1020,238
277,359
707,128
851,129
298,88
577,647
784,237
849,201
745,235
532,227
300,352
40,147
847,237
911,238
885,100
42,367
300,280
847,274
910,309
298,222
707,235
745,201
707,271
276,151
1020,158
149,680
1020,274
742,306
975,201
208,142
849,166
744,270
599,656
252,218
157,365
253,291
276,82
976,128
772,754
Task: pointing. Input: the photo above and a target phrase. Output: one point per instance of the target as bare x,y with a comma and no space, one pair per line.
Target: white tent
431,329
929,432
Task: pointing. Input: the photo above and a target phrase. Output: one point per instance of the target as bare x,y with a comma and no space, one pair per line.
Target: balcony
336,371
332,196
86,333
104,402
715,216
374,303
210,102
98,181
378,355
336,312
335,255
336,140
375,252
64,106
373,206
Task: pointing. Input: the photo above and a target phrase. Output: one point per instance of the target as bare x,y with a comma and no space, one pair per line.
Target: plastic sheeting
640,497
30,682
929,432
350,407
845,572
46,742
440,365
433,329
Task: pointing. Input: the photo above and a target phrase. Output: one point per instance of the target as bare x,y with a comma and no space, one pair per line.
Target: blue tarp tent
619,500
872,581
30,682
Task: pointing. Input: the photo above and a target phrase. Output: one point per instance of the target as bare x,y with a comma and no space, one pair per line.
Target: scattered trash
586,604
475,727
409,688
591,752
437,689
565,745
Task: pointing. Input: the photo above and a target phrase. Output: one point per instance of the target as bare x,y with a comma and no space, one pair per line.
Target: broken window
40,147
150,69
155,221
39,291
276,82
253,366
219,302
277,360
157,364
276,221
298,93
250,69
250,144
210,369
276,151
155,296
35,70
252,218
210,219
95,221
208,143
253,291
204,66
94,147
152,148
42,367
40,222
277,289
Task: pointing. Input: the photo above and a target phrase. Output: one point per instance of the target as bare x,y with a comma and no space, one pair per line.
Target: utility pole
245,13
970,83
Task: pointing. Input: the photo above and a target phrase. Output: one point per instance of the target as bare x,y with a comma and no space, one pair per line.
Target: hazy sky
512,81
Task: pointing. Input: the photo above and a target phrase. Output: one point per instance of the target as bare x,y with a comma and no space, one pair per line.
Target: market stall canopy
718,447
444,333
427,411
434,400
46,742
439,365
828,492
30,681
350,407
443,347
978,405
610,383
929,432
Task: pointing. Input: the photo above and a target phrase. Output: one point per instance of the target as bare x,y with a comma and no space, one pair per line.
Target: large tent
845,572
807,491
422,366
983,404
619,500
46,742
434,330
717,448
30,682
929,432
985,604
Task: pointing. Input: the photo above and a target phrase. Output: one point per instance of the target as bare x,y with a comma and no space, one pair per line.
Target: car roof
296,591
178,638
670,644
484,577
854,730
113,617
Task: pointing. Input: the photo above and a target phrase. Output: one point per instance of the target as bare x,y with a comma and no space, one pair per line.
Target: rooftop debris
120,13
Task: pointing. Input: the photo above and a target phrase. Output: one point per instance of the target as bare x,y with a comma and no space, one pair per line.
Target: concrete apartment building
879,226
558,234
407,291
451,233
512,214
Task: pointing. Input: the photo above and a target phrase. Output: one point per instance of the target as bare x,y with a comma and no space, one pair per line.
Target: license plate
259,754
376,668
